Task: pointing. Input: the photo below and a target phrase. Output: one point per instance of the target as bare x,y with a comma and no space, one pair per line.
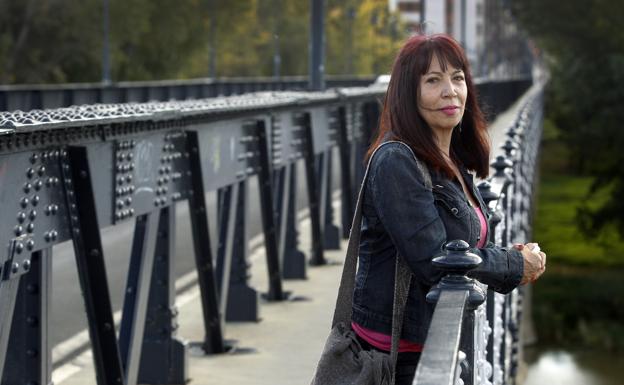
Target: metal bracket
18,262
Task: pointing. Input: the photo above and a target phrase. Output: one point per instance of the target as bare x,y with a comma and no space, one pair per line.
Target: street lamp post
317,44
106,75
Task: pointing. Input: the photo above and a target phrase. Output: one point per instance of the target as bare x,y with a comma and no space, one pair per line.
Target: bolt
27,187
26,265
31,227
15,267
35,200
21,217
32,288
18,230
30,244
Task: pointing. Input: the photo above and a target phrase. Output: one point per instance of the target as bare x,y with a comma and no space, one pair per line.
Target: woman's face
442,96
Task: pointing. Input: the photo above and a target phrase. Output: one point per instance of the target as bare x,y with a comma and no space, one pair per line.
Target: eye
459,78
431,80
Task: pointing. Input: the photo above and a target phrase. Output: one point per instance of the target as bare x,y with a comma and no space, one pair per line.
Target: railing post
28,358
163,356
440,356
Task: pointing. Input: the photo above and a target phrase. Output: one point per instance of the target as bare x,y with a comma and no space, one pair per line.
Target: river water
560,367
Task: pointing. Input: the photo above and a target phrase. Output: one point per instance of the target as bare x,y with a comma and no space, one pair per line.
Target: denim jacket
401,215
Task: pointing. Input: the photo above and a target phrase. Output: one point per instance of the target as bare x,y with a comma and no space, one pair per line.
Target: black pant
405,366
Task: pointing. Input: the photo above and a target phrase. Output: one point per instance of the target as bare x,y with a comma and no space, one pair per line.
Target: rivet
120,180
31,227
120,204
31,353
30,244
129,178
41,170
30,172
107,326
15,267
47,236
34,158
21,217
118,216
32,215
54,234
49,182
128,201
32,288
38,185
18,230
31,320
26,265
83,174
27,187
94,253
35,200
24,202
131,211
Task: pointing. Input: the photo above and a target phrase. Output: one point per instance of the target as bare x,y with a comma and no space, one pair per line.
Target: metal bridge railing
474,336
47,96
67,173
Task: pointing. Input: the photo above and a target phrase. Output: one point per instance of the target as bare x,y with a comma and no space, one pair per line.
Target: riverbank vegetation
579,217
579,302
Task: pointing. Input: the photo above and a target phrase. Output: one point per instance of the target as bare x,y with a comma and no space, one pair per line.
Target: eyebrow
440,73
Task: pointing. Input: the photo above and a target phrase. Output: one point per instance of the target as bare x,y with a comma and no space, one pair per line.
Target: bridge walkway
281,349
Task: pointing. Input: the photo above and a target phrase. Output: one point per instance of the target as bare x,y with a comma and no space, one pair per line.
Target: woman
431,106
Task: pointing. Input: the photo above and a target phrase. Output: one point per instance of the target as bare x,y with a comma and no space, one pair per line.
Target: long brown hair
400,119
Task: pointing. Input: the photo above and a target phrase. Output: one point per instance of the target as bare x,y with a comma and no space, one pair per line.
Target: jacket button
454,210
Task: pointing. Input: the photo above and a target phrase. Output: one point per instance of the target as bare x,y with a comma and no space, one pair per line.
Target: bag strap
344,302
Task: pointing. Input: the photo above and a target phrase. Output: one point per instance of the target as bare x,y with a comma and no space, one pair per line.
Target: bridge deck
281,349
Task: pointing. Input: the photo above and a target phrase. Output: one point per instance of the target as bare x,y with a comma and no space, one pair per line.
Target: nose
448,89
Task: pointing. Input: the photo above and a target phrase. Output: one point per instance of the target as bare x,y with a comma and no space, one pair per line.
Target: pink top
383,341
484,228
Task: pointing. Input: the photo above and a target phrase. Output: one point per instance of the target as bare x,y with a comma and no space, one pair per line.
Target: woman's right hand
534,262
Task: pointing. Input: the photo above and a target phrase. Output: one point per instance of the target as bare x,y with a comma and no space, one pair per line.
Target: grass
556,230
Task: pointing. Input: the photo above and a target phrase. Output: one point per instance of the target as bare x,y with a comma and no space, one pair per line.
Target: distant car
382,80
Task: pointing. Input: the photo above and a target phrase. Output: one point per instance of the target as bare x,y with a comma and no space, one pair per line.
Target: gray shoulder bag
343,361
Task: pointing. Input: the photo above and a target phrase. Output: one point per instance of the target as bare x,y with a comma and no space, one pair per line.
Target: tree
584,47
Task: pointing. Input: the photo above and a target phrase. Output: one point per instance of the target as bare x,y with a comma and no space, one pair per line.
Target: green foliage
580,307
61,41
584,47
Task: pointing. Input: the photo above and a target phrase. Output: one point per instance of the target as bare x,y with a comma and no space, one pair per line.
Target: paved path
281,349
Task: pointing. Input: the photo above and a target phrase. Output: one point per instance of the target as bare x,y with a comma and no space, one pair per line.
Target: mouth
450,110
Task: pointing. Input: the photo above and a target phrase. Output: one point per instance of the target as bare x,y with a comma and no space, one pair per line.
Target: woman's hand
534,262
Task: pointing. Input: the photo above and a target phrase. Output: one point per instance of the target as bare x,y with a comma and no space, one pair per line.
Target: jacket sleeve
501,269
406,209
